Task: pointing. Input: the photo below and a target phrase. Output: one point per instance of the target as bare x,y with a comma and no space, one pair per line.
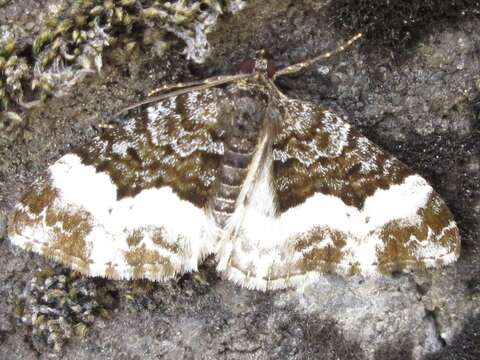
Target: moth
279,190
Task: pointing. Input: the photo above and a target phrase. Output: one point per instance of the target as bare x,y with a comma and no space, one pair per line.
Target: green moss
72,40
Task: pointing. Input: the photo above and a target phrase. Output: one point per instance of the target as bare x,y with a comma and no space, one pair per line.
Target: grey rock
420,107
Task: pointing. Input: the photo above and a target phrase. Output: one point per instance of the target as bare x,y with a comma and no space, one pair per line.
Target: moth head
259,64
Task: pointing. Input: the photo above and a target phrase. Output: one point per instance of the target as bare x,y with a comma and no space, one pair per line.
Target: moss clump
61,305
69,42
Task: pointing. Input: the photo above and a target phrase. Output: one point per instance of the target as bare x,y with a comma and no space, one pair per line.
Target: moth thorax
243,118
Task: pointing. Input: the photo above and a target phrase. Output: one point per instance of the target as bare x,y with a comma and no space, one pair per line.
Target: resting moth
279,190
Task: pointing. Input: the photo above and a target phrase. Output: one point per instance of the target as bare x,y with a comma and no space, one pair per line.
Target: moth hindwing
279,190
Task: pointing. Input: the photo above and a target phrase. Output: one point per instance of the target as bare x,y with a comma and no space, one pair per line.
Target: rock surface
419,101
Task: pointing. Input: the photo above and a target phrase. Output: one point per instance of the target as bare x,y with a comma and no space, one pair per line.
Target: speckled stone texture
419,99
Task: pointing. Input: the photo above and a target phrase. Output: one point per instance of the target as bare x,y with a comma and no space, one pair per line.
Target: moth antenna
292,69
204,84
180,85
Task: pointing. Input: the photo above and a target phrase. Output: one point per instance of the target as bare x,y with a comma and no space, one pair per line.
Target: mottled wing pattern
132,203
330,201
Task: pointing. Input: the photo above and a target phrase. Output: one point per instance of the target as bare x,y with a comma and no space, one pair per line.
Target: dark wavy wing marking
118,206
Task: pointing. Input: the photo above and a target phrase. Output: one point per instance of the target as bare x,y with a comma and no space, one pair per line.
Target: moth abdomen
243,127
237,159
233,173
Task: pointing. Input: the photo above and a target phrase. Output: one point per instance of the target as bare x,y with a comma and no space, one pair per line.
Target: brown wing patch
66,229
41,195
317,257
145,262
68,244
327,156
32,204
159,239
174,149
415,246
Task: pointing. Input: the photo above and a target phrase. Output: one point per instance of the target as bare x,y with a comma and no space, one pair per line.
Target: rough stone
419,101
